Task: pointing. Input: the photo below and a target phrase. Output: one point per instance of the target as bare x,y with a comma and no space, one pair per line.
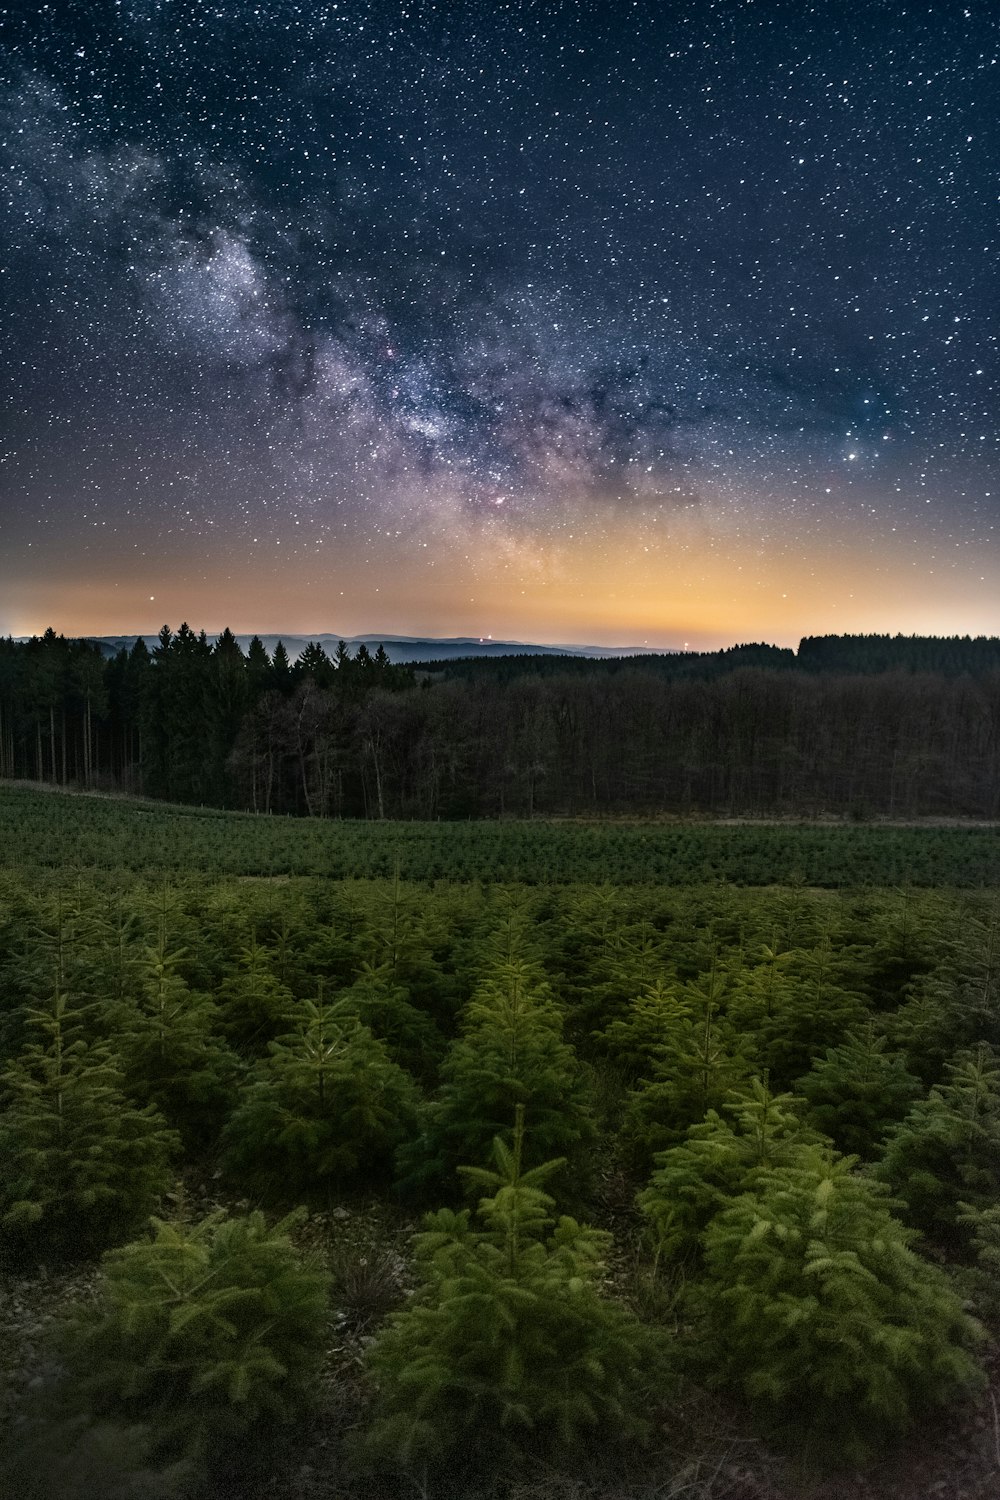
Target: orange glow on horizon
611,591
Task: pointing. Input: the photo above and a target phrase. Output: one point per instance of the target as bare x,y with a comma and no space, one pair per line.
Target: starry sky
634,323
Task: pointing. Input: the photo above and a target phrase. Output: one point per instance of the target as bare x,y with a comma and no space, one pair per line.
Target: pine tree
507,1345
287,931
258,670
170,1052
698,1061
923,1031
281,669
947,1149
718,1160
763,989
120,934
983,1226
957,1004
629,965
815,1306
512,936
325,1108
637,1040
47,953
857,1091
224,704
398,940
79,1165
411,1038
256,1007
212,1333
511,1053
797,1007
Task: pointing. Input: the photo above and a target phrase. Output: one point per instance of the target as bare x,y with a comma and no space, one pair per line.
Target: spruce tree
923,1032
507,1345
326,1108
957,1004
46,953
170,1052
699,1059
797,1007
211,1334
256,1007
635,961
814,1305
120,933
79,1164
719,1159
763,989
511,1053
857,1091
411,1038
947,1149
983,1226
637,1040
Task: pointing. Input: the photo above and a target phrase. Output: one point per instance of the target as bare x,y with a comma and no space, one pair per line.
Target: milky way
642,318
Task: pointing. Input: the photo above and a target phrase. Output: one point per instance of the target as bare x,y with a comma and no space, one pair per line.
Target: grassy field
58,830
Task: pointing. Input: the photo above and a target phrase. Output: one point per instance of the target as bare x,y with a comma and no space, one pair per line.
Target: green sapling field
320,1182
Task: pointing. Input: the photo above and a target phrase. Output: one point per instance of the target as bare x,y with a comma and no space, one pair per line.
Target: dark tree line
900,727
951,656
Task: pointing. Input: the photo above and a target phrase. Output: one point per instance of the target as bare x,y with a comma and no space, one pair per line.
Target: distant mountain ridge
399,648
950,656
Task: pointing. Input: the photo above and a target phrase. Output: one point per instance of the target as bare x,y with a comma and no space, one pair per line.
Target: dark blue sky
611,321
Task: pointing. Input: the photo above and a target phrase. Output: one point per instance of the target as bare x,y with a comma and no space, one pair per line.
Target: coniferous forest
855,726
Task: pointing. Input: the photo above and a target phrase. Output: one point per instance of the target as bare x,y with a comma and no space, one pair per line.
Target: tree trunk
305,781
86,743
378,777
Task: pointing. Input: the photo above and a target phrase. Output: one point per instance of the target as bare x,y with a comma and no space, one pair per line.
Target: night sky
614,323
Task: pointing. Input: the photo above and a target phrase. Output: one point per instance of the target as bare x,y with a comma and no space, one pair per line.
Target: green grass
56,830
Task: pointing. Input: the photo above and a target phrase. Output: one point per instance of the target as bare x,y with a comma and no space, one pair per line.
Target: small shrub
365,1282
